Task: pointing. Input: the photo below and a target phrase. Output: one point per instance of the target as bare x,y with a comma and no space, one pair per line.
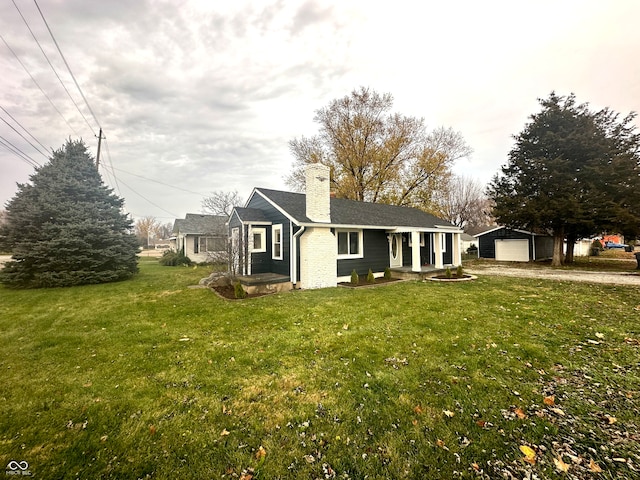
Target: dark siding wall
406,250
426,252
376,255
544,247
447,256
263,262
486,243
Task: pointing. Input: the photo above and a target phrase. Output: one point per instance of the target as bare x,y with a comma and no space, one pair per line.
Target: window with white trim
443,242
258,240
276,242
211,244
349,243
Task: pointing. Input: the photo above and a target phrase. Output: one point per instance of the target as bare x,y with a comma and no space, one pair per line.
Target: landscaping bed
362,282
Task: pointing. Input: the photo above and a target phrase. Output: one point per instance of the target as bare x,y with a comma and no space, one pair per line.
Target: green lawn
151,379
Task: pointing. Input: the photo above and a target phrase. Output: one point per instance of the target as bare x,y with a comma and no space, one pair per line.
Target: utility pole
100,137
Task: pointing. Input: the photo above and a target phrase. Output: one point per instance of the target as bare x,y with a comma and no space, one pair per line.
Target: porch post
415,252
437,248
457,257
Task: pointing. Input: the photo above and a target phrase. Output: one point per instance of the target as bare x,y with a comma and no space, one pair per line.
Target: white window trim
275,228
263,236
443,242
360,244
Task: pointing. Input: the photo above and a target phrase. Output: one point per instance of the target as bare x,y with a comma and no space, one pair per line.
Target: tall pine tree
572,172
66,227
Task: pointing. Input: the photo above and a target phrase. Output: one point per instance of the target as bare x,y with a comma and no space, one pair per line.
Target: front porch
265,283
408,273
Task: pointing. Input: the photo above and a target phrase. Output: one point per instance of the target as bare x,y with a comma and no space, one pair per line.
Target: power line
115,180
68,67
38,85
17,152
146,199
51,65
159,182
27,131
24,138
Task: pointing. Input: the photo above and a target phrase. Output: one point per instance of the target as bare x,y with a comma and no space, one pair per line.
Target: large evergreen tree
66,227
572,172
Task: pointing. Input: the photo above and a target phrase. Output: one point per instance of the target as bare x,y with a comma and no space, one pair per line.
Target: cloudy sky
200,96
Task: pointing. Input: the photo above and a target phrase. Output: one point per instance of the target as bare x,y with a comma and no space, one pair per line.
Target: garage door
512,250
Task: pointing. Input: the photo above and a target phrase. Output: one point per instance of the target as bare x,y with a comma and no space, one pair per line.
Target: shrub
447,273
173,259
387,273
355,278
596,247
370,277
238,291
459,272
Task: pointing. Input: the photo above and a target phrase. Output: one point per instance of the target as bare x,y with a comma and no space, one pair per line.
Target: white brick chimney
318,192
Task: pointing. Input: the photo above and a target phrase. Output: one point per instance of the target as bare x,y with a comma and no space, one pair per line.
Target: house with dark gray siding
316,241
513,245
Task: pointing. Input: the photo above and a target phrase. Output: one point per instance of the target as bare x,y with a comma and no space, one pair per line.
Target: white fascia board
234,212
488,231
449,229
525,232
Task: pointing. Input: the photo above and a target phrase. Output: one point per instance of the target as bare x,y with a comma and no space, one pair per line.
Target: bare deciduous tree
461,200
221,202
376,155
147,228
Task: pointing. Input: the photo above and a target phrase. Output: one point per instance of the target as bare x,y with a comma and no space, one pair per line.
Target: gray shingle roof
196,223
251,214
351,212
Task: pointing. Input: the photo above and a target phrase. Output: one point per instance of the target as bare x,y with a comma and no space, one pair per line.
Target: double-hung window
349,243
258,240
276,242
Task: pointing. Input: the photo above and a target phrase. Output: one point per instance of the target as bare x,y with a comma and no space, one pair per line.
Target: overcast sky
205,95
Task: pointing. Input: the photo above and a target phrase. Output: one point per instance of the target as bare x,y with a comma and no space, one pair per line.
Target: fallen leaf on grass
261,453
152,429
418,409
594,467
441,444
520,413
550,400
560,465
632,341
448,413
529,454
557,411
599,335
224,432
611,420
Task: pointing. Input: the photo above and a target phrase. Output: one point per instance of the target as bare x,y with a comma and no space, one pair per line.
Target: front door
395,250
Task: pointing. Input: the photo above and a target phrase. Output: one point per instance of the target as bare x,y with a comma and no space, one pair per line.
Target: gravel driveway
632,277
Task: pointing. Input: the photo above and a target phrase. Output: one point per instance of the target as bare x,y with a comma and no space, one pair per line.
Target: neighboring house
202,238
513,245
317,241
466,241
